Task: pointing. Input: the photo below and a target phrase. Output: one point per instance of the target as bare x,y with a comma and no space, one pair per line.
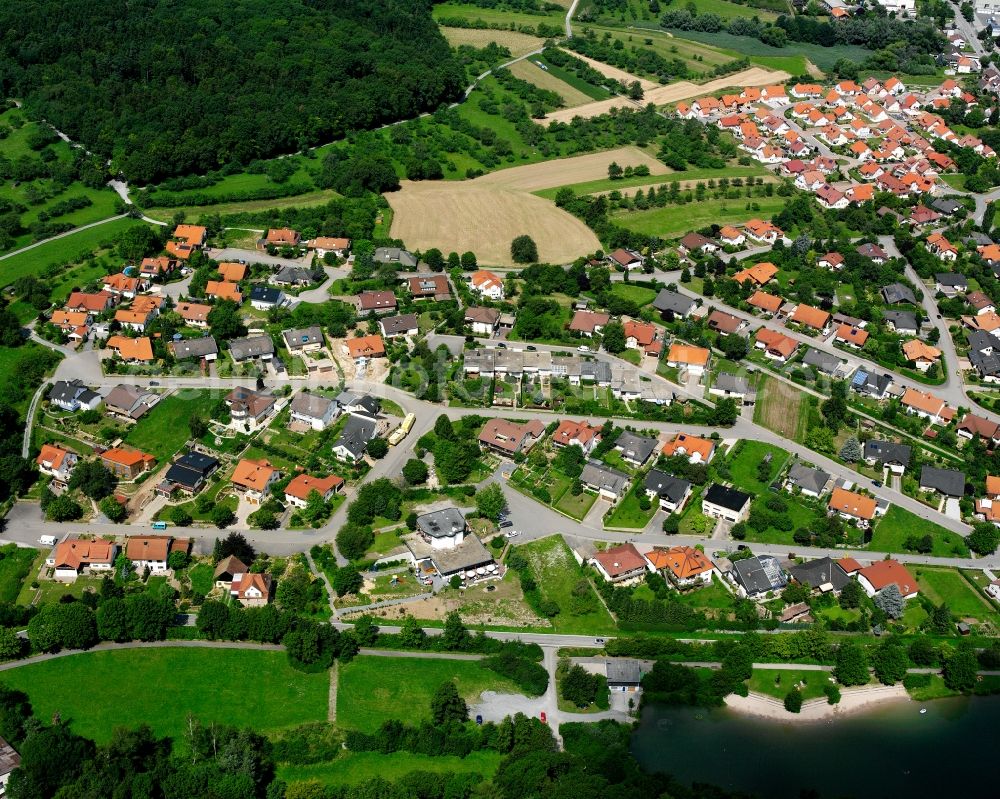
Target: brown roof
254,401
260,581
303,484
193,311
686,444
883,573
486,316
51,455
620,560
224,290
89,301
810,317
688,354
150,547
765,301
230,565
569,430
724,322
429,286
852,504
758,273
282,235
75,552
127,457
191,234
375,300
509,436
852,335
253,474
923,401
366,346
132,349
588,321
684,562
776,342
977,425
330,243
232,271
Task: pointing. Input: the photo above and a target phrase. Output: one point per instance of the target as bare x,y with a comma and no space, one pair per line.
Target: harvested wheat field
485,214
671,93
531,72
609,71
472,216
564,171
517,43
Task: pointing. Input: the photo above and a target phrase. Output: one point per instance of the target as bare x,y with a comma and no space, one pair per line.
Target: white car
583,348
512,534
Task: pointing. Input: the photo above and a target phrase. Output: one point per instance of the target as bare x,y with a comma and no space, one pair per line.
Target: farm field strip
517,43
531,72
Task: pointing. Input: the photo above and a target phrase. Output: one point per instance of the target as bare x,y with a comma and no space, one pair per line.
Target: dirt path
331,713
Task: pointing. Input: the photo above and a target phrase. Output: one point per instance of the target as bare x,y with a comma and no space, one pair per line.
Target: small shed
963,628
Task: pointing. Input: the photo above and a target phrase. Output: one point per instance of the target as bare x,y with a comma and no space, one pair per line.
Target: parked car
583,348
877,483
531,348
513,534
543,717
505,523
501,346
479,719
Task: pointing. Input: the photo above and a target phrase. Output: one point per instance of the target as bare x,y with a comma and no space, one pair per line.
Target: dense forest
172,87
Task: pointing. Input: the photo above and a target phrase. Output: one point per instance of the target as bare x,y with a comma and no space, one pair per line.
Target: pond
884,752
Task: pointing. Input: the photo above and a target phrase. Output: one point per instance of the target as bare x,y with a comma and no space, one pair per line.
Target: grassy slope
675,220
376,689
57,253
594,186
948,585
160,687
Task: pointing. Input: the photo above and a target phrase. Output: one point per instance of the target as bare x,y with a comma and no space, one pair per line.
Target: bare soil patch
517,43
531,72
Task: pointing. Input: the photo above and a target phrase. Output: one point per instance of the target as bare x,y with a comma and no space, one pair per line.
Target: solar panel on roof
859,379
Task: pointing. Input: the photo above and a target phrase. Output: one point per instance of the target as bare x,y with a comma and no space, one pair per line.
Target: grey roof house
668,300
354,438
896,293
635,448
822,573
949,482
402,325
72,395
670,490
888,453
759,575
245,349
809,481
901,321
606,481
623,673
823,361
395,256
205,347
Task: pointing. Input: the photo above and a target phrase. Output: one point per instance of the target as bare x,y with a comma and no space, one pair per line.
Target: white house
722,502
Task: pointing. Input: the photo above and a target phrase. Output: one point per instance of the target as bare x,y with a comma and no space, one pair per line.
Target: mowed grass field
676,220
492,15
948,585
778,682
898,524
354,767
530,71
373,689
163,430
782,408
517,43
557,575
666,178
484,215
99,691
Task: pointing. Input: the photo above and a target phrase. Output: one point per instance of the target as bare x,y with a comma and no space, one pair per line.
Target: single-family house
251,349
56,462
129,402
507,438
132,350
402,325
588,323
254,478
314,410
823,574
194,314
228,570
126,464
887,454
249,409
948,482
670,304
922,355
305,339
810,482
376,301
635,449
610,484
730,385
619,564
148,552
205,348
813,318
682,565
927,406
486,284
570,433
357,433
671,492
430,287
777,346
851,505
723,502
264,298
626,259
73,395
687,356
695,448
483,321
188,473
884,573
329,244
370,346
758,576
75,556
297,492
252,589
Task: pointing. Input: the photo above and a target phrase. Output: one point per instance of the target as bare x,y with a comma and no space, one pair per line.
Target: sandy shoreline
853,700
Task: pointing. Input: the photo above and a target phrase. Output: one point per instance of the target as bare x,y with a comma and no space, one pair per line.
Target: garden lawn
713,596
355,767
577,506
638,294
212,684
163,431
557,574
202,578
375,689
948,585
743,465
763,682
629,514
800,514
675,220
898,524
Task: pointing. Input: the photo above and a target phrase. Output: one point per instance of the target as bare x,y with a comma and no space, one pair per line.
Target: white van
47,540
